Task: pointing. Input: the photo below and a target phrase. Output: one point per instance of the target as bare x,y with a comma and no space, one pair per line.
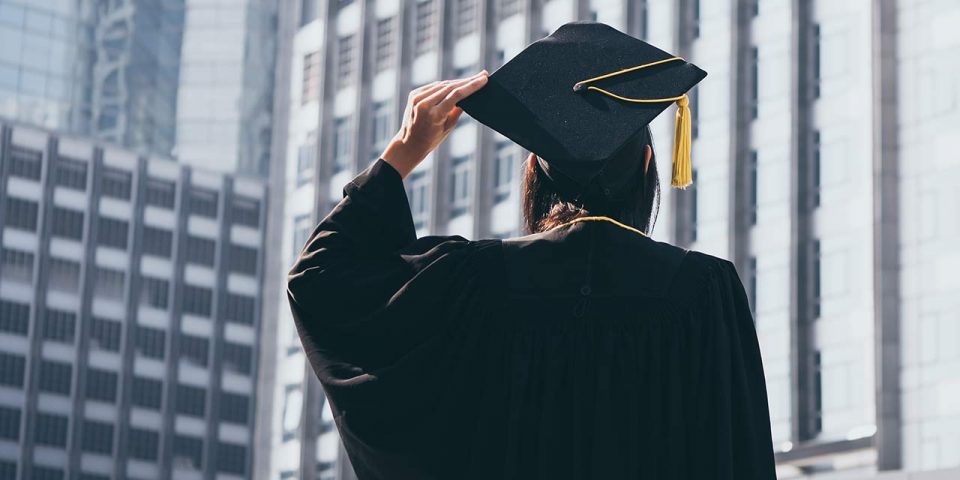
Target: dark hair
544,207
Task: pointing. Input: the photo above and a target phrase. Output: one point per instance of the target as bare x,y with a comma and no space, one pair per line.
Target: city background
163,161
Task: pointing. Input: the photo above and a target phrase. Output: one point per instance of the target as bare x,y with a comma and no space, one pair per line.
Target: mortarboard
580,95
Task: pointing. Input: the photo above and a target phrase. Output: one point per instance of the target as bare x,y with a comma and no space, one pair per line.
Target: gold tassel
682,137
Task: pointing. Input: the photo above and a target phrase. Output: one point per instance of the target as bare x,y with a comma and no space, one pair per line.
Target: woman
583,350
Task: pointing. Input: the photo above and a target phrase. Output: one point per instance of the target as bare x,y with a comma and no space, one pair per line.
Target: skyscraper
824,168
130,289
107,70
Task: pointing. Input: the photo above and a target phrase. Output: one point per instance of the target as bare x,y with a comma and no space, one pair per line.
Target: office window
382,127
384,53
97,437
754,83
815,269
194,349
246,212
50,430
346,61
115,183
201,250
146,392
506,166
237,358
20,213
307,159
466,22
191,400
426,27
418,194
142,444
694,103
694,18
59,325
233,407
815,80
112,232
187,452
150,342
70,174
11,369
67,223
55,377
461,185
160,193
815,153
157,241
204,202
302,227
16,265
8,469
109,283
342,144
25,163
817,413
14,317
239,309
508,8
752,189
243,259
47,473
155,292
312,64
101,385
105,334
309,11
9,424
63,275
231,458
197,300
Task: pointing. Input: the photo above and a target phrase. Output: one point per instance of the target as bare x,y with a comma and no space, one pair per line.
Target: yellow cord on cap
682,134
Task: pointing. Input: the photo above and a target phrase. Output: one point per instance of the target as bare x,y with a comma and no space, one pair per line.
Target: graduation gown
588,351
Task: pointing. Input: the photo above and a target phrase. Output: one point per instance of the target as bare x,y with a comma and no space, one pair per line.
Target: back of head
545,205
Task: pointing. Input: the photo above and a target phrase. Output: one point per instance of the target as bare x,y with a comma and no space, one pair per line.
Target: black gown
588,351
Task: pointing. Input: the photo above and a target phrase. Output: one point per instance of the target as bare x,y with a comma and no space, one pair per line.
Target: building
825,166
130,288
106,70
225,99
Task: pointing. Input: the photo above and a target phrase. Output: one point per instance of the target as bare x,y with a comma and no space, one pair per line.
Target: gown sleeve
733,396
358,291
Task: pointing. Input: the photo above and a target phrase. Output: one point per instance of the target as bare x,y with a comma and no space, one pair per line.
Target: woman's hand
430,116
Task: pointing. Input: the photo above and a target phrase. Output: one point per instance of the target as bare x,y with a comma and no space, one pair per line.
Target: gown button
585,290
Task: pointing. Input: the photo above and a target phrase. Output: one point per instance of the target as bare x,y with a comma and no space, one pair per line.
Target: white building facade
825,169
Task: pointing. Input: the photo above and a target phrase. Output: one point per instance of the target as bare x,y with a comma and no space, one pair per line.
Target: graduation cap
577,97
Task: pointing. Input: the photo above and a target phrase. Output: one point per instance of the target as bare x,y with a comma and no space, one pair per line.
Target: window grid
109,283
466,17
25,163
460,185
71,174
105,334
112,232
160,193
14,317
246,212
147,393
311,77
96,437
384,56
157,241
151,342
55,377
16,265
191,401
50,429
63,275
425,39
115,183
101,385
204,202
67,223
12,369
237,358
21,214
197,300
194,349
155,292
59,325
239,309
346,60
342,144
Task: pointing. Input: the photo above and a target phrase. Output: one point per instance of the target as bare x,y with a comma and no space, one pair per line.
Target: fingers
452,118
461,91
425,91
